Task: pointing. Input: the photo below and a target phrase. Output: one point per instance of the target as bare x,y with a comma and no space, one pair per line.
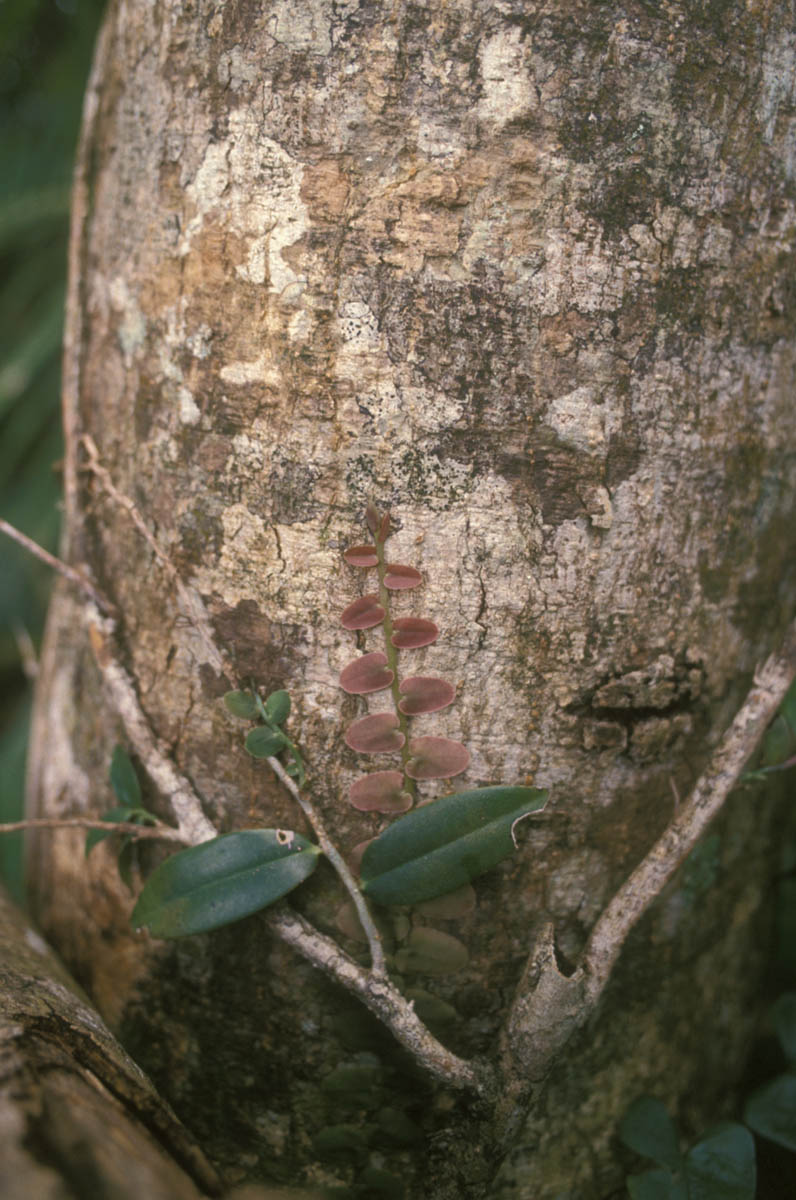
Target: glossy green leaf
721,1166
124,780
771,1111
657,1184
222,880
264,743
277,707
648,1129
241,704
445,844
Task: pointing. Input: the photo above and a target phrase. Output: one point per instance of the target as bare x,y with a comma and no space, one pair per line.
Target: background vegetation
45,54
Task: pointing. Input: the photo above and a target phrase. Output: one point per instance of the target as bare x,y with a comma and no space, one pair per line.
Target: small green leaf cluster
129,811
771,1110
720,1166
268,738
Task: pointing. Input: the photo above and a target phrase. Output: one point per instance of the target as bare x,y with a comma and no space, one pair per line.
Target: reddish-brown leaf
411,632
399,577
380,792
376,734
436,758
363,613
361,556
369,673
425,694
451,906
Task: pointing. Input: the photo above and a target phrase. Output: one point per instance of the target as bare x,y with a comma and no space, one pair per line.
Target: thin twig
163,832
377,963
191,601
71,573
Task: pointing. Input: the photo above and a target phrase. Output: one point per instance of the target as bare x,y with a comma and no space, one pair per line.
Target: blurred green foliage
45,54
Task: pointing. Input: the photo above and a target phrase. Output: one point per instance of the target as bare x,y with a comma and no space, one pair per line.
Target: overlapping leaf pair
422,758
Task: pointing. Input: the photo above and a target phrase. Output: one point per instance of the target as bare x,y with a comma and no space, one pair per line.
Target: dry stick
377,964
384,1001
191,601
163,832
71,573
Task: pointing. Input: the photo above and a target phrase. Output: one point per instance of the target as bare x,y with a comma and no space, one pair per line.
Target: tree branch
549,1005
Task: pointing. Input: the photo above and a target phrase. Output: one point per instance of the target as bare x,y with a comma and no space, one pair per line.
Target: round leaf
411,632
425,694
771,1111
399,577
376,734
369,673
445,844
380,791
241,704
363,613
222,880
648,1129
361,556
451,906
264,743
436,758
721,1166
277,707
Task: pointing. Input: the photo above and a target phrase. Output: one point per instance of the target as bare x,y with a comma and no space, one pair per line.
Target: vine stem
377,964
57,564
163,832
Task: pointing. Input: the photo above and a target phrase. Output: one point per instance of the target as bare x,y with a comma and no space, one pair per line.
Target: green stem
392,661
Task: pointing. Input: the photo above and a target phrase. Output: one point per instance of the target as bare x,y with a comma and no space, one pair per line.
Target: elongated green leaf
241,704
721,1166
648,1129
445,844
222,880
264,743
124,780
783,1014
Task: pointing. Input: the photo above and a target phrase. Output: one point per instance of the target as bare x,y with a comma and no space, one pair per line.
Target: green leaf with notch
444,844
656,1184
223,880
124,780
264,743
241,704
277,707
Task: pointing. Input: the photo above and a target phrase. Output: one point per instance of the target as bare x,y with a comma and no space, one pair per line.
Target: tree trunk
521,274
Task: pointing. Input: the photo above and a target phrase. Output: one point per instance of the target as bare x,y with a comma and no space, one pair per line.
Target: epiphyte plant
439,847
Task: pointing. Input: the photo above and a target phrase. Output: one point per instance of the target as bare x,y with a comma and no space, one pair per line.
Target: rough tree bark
521,272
